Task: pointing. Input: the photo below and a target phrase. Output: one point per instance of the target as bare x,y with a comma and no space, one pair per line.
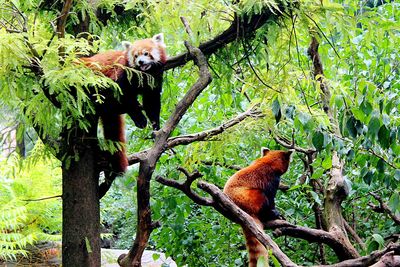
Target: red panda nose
140,62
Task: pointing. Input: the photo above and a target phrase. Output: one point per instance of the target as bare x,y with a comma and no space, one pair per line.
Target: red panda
253,189
147,55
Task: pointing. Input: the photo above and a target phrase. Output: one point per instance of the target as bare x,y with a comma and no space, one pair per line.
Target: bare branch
187,26
285,143
385,208
283,228
200,136
354,234
185,186
43,198
368,260
205,135
62,19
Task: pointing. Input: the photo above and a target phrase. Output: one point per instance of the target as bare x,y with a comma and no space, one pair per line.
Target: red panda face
147,53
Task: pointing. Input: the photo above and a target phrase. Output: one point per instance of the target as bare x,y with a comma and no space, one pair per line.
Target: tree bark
149,160
336,190
81,209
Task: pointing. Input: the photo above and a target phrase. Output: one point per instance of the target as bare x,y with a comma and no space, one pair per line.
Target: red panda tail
114,130
254,247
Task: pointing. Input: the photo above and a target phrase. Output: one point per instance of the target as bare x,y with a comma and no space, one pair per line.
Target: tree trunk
81,210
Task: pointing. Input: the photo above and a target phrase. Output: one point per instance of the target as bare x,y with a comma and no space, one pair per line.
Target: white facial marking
156,54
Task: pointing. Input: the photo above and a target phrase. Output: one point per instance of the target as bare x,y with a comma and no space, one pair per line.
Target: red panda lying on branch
148,56
253,189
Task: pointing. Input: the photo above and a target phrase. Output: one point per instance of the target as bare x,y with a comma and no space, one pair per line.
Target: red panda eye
136,56
146,54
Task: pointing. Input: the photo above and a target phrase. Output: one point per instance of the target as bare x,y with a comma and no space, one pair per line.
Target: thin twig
43,198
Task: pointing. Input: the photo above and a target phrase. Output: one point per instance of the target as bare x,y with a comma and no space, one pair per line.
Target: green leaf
366,107
397,175
372,246
394,202
317,173
289,112
318,140
304,118
384,137
155,256
368,177
351,126
358,114
380,166
276,110
327,163
88,246
274,259
373,126
378,238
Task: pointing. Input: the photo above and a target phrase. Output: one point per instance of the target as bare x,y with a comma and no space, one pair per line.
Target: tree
257,82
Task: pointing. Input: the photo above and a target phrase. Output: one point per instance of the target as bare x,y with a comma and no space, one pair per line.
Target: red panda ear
159,39
264,151
127,45
289,153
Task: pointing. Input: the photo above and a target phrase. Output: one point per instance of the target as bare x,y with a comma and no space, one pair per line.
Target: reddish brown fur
119,160
254,247
109,63
253,189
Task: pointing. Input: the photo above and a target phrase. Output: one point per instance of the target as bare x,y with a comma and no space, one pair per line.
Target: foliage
23,221
360,54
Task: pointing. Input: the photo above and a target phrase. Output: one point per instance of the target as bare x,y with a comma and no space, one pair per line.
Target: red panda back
109,63
253,189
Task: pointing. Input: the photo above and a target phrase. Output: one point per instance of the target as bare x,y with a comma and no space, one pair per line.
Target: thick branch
149,160
336,190
241,27
283,228
368,260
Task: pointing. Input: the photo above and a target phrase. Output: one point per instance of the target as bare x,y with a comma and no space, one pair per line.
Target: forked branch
383,207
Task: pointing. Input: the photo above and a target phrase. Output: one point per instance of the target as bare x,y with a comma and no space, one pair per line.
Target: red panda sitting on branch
253,189
148,56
